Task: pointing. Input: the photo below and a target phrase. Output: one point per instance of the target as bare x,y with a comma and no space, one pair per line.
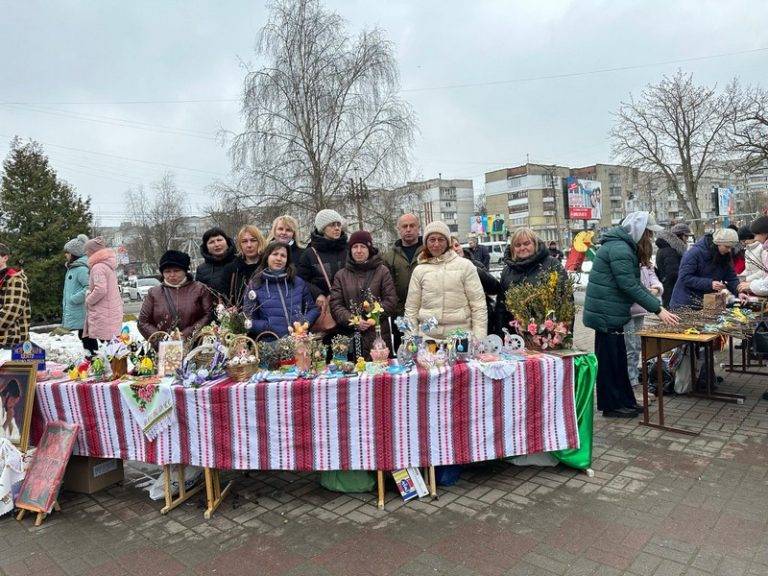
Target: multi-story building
451,201
619,185
529,195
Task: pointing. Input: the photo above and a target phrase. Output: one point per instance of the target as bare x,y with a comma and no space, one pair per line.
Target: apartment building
529,195
619,185
452,201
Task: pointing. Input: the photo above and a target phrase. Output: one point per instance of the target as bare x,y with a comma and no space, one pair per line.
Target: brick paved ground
659,504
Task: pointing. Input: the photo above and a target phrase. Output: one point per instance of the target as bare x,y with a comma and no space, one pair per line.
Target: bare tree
324,109
750,129
678,129
157,217
230,211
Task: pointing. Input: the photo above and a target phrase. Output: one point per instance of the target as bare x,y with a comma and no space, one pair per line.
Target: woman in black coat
527,260
325,255
671,247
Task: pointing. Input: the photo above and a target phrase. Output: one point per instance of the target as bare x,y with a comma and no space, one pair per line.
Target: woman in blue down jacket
276,298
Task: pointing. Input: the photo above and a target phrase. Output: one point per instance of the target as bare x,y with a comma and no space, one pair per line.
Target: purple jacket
649,280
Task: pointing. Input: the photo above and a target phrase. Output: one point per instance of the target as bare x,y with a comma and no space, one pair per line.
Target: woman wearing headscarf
445,286
75,289
276,297
285,229
527,260
178,303
706,268
364,276
250,244
103,302
614,285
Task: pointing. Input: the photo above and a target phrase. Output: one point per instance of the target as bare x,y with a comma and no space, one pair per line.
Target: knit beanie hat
437,227
326,217
760,225
76,246
745,233
94,245
725,237
174,259
681,230
362,237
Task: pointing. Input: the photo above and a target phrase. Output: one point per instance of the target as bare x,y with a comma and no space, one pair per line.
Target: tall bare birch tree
324,107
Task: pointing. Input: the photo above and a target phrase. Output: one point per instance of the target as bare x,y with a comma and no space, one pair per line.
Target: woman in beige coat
445,286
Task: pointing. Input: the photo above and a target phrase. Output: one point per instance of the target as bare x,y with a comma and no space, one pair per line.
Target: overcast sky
118,92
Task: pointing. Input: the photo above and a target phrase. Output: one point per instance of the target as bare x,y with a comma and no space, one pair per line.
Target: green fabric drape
346,481
585,368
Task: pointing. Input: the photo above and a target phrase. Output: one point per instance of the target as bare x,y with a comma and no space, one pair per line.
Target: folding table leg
380,488
214,494
184,494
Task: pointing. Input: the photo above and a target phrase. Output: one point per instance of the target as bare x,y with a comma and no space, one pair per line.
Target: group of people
625,286
277,280
91,301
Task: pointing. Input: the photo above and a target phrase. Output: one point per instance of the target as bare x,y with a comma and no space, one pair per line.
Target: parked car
137,288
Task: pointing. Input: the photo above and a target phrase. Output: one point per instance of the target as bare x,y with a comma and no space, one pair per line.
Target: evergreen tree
39,213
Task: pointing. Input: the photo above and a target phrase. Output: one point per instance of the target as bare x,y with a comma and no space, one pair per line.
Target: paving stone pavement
659,504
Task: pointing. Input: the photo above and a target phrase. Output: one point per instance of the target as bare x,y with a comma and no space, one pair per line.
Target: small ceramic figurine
360,364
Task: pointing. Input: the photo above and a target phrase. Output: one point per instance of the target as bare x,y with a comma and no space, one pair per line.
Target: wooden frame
25,376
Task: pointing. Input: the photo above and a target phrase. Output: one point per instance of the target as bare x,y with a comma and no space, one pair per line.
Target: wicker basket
242,372
202,340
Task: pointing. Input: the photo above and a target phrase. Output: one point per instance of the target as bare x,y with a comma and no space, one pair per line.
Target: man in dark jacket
554,251
479,252
671,245
401,259
218,250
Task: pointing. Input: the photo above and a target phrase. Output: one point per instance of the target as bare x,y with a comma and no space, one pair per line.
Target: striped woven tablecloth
448,416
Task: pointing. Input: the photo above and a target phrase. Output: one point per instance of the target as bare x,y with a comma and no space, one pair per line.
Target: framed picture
170,354
17,400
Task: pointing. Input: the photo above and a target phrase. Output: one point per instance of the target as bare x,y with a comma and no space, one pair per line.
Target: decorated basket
203,341
243,359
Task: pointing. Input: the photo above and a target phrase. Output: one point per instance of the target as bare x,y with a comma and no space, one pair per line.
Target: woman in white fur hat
446,287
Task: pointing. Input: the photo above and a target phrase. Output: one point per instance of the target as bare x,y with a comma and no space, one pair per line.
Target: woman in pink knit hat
103,304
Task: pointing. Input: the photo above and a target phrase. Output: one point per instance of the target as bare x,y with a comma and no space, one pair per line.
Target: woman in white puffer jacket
446,287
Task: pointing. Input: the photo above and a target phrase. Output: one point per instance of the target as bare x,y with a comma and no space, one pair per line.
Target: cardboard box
88,475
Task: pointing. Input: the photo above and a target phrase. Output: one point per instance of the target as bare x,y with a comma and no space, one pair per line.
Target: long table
454,415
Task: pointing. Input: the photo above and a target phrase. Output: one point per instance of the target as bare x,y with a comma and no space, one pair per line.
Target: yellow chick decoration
299,329
360,364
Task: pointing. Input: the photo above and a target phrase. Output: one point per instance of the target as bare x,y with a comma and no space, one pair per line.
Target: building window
453,227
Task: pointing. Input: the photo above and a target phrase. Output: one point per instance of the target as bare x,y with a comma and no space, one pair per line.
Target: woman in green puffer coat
75,287
614,285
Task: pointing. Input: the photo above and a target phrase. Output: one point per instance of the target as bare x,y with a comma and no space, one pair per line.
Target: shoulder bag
325,323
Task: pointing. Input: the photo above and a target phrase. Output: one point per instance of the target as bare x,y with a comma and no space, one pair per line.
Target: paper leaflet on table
410,483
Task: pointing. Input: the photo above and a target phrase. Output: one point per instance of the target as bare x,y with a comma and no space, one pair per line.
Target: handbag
760,338
325,322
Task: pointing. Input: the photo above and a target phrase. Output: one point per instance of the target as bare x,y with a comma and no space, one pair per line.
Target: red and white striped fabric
386,422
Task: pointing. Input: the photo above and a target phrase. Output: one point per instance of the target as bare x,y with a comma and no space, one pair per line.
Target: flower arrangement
340,347
543,313
369,310
231,319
